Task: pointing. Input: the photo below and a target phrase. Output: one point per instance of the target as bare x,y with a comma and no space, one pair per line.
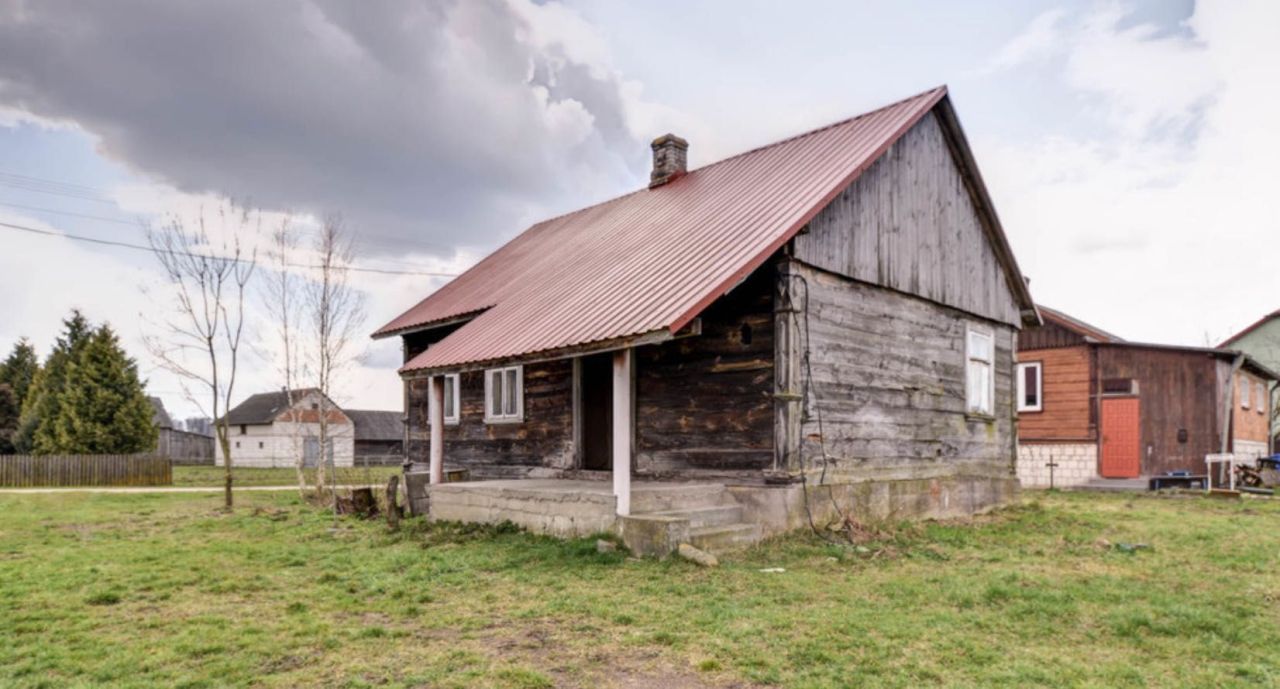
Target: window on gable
504,394
979,371
1030,387
452,399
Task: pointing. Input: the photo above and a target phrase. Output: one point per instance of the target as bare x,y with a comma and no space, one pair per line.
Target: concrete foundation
711,516
779,509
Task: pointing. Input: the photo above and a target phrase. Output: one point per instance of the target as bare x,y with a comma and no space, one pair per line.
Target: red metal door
1121,438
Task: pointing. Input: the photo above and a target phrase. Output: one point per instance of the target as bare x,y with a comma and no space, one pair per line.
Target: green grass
244,476
165,590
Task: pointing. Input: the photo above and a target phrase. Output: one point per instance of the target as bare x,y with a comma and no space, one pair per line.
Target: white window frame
1246,392
1262,398
969,331
518,416
1022,386
456,417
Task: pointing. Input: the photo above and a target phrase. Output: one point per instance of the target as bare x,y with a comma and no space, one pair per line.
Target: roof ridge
735,156
818,130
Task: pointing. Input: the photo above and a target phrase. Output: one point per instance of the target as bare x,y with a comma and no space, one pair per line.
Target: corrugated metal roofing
652,260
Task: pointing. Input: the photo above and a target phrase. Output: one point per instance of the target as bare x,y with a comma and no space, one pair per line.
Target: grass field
190,476
164,590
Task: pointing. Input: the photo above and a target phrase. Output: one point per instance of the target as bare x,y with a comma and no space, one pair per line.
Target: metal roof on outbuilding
649,262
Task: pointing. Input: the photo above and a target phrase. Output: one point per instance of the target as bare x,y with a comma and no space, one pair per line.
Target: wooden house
837,309
1097,406
1261,340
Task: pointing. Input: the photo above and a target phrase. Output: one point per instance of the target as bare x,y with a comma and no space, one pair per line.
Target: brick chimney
670,159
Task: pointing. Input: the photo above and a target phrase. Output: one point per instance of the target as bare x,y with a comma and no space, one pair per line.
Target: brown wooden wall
497,450
1048,336
705,402
1067,411
889,382
1177,390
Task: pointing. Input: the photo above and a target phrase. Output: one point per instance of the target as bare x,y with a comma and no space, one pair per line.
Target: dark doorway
596,411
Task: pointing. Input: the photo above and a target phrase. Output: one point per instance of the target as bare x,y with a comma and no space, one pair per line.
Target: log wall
501,450
888,382
705,402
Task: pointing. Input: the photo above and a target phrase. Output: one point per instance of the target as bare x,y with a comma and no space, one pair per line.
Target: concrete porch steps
651,499
724,538
707,516
715,515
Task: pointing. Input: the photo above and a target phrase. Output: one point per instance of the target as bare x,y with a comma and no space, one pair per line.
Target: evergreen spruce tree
104,409
40,404
8,418
19,368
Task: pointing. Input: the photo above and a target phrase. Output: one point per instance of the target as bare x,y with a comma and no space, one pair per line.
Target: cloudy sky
1130,147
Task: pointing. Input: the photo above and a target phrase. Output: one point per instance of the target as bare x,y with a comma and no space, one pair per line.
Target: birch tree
282,300
335,313
200,341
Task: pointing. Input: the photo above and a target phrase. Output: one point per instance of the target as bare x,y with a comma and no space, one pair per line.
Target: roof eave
651,337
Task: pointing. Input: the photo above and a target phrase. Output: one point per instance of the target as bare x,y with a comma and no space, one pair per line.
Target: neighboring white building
267,432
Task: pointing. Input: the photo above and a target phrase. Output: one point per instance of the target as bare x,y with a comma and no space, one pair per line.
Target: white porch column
622,430
435,409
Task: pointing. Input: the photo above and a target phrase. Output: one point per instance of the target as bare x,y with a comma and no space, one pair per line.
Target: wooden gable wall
909,223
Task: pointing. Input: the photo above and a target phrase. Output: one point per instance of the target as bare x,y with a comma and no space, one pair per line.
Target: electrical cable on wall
806,387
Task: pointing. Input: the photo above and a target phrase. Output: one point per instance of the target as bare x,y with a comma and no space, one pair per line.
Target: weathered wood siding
501,450
1067,411
1176,390
1048,336
888,379
705,402
909,223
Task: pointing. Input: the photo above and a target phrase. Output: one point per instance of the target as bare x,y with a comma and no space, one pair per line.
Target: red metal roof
652,260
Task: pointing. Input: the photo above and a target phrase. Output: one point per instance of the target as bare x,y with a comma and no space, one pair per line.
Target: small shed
1097,406
180,446
379,436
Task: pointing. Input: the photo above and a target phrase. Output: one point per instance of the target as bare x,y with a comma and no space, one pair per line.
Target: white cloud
1159,220
1042,38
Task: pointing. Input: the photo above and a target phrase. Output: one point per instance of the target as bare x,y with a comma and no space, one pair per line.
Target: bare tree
280,295
336,312
201,340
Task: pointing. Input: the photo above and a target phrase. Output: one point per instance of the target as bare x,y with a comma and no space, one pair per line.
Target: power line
48,186
73,214
139,247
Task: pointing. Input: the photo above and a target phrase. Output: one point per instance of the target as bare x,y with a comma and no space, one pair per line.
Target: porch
662,514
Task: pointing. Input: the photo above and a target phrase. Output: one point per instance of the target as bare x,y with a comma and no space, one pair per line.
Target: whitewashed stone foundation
1249,449
1077,464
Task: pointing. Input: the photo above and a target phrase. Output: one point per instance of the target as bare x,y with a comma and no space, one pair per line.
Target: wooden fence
25,471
